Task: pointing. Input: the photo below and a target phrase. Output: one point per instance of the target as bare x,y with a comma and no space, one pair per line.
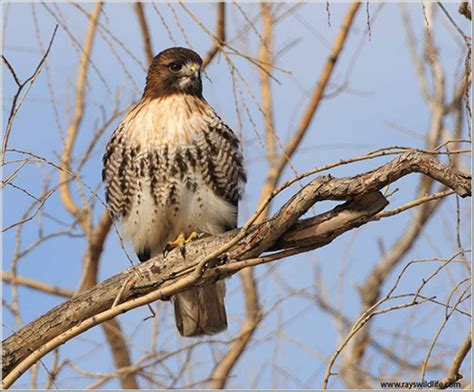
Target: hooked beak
192,70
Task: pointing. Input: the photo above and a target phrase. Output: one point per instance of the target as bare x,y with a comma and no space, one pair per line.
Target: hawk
173,170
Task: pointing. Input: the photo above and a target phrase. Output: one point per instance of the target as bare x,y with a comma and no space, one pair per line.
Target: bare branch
138,7
160,278
29,83
453,372
318,93
462,297
12,71
65,190
266,58
96,241
219,37
37,285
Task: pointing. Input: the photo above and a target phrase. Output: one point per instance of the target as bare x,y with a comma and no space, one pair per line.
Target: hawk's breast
172,120
172,166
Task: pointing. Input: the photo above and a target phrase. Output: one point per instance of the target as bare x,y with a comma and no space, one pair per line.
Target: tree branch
266,58
66,157
294,142
36,285
96,235
29,83
219,37
253,312
276,166
145,30
453,372
162,277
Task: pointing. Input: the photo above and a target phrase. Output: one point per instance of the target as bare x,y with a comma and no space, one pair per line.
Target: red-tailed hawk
172,169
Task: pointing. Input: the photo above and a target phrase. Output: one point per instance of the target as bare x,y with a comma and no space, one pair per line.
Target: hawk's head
174,70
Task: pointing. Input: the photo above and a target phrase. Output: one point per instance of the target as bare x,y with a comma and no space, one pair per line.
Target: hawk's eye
175,67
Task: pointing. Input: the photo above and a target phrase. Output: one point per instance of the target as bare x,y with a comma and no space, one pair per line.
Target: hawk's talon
193,236
180,242
177,243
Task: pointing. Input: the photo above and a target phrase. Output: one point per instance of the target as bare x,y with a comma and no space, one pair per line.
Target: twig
414,203
438,332
219,37
365,317
318,93
37,285
453,372
456,27
12,71
29,83
140,12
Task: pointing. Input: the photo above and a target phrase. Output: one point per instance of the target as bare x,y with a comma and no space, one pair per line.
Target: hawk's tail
201,310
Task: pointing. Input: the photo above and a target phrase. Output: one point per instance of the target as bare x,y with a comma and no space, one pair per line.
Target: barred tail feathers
201,310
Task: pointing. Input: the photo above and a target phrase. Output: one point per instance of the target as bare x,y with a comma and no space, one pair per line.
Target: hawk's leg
181,241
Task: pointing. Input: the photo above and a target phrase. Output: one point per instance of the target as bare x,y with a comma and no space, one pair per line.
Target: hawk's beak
193,70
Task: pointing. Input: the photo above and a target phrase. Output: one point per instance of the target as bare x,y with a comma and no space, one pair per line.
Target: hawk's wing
221,161
119,174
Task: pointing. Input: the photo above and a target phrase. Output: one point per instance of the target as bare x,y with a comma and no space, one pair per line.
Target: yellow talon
177,243
180,241
192,237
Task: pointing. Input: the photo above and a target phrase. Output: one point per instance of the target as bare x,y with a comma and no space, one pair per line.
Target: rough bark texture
284,231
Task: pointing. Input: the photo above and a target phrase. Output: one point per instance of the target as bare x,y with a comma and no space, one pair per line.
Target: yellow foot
177,243
180,242
193,236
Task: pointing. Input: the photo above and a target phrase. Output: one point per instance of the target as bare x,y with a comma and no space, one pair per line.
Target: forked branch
283,235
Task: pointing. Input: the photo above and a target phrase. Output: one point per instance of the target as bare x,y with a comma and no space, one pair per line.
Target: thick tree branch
160,278
89,307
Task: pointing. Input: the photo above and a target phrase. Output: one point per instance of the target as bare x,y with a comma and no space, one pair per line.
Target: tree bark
284,232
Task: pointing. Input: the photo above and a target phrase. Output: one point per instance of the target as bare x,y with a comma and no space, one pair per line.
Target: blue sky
382,89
